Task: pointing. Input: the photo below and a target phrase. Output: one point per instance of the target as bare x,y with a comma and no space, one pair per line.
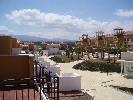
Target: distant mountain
27,38
34,38
58,40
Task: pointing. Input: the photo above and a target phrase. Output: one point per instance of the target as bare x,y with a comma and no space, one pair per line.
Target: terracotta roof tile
129,32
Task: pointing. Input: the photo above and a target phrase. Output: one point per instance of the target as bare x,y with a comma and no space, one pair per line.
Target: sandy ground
97,84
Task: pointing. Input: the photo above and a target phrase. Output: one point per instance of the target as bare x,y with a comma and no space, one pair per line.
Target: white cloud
124,13
57,25
4,30
51,35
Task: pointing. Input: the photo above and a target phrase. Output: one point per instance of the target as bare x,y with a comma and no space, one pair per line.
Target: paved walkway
97,83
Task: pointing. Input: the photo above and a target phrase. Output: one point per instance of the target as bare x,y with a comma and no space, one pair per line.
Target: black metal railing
20,89
42,83
50,83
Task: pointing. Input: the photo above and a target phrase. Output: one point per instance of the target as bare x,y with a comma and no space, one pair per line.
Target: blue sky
66,19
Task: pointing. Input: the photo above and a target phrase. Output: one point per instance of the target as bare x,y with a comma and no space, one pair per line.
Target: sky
66,19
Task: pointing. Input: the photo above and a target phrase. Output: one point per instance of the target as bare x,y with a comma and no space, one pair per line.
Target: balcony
31,85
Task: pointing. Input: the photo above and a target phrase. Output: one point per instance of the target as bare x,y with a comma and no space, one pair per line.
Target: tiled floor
17,95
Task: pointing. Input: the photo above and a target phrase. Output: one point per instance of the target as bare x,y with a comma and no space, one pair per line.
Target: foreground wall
15,67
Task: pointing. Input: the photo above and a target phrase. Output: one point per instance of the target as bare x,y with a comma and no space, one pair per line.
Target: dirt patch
77,96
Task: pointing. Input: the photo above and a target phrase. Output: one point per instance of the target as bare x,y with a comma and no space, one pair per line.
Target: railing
31,88
20,89
51,86
50,83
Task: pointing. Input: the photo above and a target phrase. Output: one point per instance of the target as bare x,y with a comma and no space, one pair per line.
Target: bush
98,66
64,59
57,59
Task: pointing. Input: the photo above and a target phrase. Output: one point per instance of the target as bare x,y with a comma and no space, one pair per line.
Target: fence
50,83
42,83
20,89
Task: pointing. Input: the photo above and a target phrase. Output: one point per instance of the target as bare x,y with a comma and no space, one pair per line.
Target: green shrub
64,59
98,66
57,59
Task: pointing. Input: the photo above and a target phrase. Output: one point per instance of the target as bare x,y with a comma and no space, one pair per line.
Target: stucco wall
16,66
14,42
5,45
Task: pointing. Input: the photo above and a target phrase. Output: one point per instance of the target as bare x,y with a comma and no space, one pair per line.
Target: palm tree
120,40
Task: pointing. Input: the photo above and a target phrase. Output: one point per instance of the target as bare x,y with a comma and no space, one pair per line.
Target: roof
129,32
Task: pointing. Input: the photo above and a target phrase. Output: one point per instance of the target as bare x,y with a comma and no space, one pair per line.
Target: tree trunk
72,56
101,55
68,54
82,53
78,55
88,55
108,57
120,56
114,57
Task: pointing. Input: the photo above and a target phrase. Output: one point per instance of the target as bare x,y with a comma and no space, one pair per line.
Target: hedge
98,66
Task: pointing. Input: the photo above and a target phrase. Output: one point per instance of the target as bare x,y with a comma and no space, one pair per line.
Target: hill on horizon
35,38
